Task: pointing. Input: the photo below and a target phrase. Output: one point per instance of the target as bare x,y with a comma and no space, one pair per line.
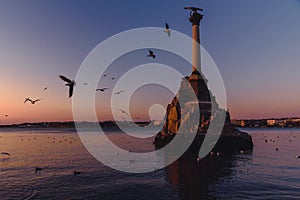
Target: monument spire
195,19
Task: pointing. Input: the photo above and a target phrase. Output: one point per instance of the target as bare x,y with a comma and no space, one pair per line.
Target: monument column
195,19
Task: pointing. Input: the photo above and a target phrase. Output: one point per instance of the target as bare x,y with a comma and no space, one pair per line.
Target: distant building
237,122
271,122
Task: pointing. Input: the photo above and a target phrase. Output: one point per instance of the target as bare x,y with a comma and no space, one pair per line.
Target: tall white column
196,54
195,19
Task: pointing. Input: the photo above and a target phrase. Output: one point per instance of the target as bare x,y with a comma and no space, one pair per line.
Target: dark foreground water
266,173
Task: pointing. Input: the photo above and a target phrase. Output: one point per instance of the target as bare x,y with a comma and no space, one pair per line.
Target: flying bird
119,92
27,99
5,153
32,101
151,54
124,112
105,75
45,88
167,30
6,115
102,89
69,83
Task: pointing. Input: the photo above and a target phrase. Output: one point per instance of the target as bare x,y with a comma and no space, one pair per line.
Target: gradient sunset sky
255,45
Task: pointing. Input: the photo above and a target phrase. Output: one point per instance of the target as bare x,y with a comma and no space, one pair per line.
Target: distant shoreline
71,124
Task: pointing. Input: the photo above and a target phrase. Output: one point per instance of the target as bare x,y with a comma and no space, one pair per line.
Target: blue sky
254,43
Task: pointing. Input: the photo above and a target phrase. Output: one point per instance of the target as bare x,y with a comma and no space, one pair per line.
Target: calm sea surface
266,173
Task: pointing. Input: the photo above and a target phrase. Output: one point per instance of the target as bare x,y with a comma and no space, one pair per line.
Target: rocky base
231,140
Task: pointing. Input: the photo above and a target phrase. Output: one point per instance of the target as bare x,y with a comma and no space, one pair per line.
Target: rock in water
182,115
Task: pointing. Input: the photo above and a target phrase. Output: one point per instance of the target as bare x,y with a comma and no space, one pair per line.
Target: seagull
119,92
167,30
32,101
102,89
27,99
151,54
108,74
124,112
69,83
45,88
5,153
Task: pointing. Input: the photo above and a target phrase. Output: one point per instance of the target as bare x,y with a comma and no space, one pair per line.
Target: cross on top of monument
195,16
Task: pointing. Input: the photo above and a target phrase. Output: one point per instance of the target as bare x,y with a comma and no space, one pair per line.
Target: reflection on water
192,178
267,173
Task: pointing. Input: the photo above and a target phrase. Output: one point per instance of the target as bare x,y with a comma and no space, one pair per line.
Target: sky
255,45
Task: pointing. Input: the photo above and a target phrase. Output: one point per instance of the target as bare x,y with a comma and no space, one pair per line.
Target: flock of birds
38,169
71,83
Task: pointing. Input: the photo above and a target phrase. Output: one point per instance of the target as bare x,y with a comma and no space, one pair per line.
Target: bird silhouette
69,83
102,89
167,30
5,153
32,101
124,112
6,115
151,54
37,169
117,93
45,88
109,74
76,173
105,75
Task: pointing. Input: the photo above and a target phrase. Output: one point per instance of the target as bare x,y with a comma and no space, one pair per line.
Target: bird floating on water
167,30
69,83
38,169
76,173
151,54
32,101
